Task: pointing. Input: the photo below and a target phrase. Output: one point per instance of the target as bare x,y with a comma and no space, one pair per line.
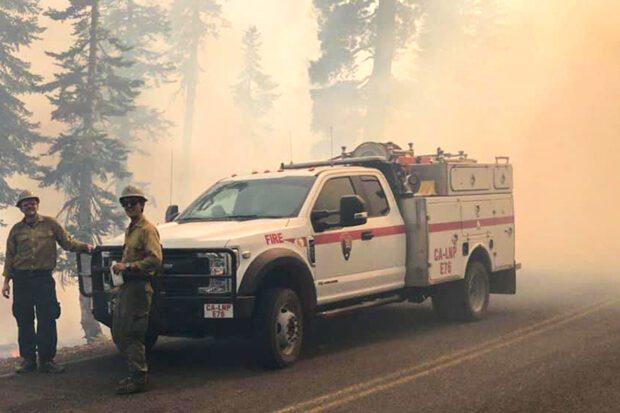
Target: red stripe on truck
333,237
472,223
357,234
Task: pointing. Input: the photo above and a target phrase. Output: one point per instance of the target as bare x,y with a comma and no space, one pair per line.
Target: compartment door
504,234
444,238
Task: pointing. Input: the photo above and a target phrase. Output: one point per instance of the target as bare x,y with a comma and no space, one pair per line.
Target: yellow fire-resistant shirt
33,246
142,250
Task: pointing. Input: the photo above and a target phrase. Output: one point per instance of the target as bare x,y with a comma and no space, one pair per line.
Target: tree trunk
89,324
381,82
191,85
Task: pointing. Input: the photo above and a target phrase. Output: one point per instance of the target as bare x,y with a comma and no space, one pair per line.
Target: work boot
25,365
130,386
51,367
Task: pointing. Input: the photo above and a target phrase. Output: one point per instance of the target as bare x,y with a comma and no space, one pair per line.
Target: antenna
331,136
290,142
171,171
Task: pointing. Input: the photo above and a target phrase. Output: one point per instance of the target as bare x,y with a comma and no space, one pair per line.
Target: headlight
219,262
216,286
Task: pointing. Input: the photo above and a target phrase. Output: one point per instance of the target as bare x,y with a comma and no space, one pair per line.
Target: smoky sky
543,90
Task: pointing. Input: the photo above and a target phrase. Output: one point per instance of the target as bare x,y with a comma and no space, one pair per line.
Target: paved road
553,347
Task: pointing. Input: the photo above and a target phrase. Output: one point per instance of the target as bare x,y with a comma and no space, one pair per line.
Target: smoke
544,89
541,86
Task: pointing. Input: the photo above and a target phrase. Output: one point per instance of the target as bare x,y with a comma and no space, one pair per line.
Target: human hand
90,248
119,267
6,288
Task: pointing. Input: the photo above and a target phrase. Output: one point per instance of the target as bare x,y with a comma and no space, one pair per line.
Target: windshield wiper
246,217
194,219
251,216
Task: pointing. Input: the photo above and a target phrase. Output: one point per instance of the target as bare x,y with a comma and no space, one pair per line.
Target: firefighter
142,260
30,260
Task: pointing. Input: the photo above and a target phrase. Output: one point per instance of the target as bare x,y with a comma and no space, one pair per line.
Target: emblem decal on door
346,243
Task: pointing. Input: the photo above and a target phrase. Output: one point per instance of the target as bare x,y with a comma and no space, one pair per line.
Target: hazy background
545,91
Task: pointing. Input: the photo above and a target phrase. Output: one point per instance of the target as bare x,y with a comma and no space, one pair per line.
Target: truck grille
180,287
184,263
185,272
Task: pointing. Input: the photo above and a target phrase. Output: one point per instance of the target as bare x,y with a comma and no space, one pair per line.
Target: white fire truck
265,253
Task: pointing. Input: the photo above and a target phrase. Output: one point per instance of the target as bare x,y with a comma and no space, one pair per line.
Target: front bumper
183,316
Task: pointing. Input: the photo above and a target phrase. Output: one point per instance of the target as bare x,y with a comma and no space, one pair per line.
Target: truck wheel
476,292
279,327
467,299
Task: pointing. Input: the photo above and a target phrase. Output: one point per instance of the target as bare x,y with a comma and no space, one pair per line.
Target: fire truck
264,254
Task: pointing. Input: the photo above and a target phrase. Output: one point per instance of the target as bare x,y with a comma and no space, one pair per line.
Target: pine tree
143,29
89,95
254,91
18,134
192,22
358,36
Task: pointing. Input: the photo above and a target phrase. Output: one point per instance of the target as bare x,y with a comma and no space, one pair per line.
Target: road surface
553,347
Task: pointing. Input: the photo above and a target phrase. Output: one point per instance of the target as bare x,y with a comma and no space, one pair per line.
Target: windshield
251,199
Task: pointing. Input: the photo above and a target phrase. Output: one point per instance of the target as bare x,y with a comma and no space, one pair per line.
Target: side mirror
316,217
352,211
172,212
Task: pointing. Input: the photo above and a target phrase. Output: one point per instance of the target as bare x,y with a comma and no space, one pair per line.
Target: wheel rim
287,330
477,293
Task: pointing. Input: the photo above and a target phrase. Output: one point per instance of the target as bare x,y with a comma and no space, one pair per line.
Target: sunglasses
130,203
28,204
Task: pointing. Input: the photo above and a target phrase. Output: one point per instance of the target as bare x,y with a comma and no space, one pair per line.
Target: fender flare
480,253
268,263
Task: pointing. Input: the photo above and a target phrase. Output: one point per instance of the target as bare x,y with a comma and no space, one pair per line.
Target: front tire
467,299
279,327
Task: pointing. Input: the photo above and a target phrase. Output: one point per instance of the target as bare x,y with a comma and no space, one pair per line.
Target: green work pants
34,293
130,321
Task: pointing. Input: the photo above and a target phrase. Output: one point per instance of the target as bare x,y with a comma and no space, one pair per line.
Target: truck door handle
367,235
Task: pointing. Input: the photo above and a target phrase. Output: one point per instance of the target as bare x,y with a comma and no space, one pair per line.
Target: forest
174,94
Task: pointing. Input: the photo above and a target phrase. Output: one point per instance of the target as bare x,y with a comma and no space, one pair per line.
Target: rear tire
464,300
279,327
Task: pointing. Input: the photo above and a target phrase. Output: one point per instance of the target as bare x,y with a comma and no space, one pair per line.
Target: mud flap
504,282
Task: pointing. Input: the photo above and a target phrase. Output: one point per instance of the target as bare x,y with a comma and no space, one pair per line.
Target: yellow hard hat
131,191
25,194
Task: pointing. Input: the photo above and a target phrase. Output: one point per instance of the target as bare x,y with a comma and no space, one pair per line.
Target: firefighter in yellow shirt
142,260
30,260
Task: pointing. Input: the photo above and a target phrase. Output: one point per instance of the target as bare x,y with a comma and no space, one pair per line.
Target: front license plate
218,311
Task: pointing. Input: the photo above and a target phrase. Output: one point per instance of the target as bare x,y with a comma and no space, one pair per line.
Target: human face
133,206
29,207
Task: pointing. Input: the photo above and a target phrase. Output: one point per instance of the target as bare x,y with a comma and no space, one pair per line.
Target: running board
360,306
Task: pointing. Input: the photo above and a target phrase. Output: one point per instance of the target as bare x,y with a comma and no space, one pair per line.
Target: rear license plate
218,311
